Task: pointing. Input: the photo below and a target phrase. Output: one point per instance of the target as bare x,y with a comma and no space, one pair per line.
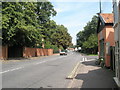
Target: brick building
105,33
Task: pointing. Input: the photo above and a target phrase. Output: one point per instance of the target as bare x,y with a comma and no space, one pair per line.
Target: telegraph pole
100,6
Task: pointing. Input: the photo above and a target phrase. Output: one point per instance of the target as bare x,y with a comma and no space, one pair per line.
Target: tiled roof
107,17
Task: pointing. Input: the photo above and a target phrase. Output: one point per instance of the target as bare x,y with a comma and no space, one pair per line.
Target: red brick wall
38,52
50,52
3,52
44,52
101,34
108,35
110,39
32,52
29,52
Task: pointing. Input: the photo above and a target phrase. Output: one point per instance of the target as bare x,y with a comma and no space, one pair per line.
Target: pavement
90,75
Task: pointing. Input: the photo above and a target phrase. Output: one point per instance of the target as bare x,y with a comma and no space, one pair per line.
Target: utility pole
100,6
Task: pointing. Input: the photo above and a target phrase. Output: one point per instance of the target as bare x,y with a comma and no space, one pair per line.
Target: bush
48,45
55,49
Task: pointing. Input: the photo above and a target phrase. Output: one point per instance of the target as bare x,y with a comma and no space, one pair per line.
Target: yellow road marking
72,74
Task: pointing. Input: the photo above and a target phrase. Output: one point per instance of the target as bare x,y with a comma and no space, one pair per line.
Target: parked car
63,53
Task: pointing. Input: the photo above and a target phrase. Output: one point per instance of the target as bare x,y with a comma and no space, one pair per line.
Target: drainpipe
119,26
119,39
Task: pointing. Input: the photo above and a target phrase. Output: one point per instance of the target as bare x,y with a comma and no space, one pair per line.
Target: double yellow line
72,74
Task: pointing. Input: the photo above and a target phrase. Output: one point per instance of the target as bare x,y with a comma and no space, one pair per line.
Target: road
46,72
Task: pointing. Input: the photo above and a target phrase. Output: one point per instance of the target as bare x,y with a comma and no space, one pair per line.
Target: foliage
61,37
27,23
19,24
44,11
91,42
73,46
48,45
87,39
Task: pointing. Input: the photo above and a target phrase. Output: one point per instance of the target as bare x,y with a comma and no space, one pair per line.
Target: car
63,53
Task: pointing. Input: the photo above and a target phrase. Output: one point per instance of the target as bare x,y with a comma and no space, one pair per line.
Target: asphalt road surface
46,72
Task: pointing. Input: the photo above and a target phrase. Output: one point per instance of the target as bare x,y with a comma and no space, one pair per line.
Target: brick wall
3,52
50,52
108,35
29,52
39,52
32,52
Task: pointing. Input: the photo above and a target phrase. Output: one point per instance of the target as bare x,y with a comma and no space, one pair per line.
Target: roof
107,17
104,19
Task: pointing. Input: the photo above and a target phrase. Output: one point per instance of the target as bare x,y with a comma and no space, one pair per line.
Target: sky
75,14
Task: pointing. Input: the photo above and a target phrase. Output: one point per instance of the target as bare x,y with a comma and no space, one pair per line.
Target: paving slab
90,75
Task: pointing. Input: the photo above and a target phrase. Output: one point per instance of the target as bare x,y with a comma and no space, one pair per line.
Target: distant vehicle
63,53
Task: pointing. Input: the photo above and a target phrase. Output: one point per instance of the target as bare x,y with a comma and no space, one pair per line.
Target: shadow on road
90,63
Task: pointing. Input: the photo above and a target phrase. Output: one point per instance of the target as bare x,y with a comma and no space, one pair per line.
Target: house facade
105,33
116,26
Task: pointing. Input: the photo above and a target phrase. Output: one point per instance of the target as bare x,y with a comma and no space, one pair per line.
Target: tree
19,23
56,35
61,37
87,39
91,44
27,23
80,38
22,22
44,11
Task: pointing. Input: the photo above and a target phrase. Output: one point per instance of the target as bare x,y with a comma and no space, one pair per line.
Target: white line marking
23,67
11,70
87,60
91,59
60,57
46,61
40,62
83,59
